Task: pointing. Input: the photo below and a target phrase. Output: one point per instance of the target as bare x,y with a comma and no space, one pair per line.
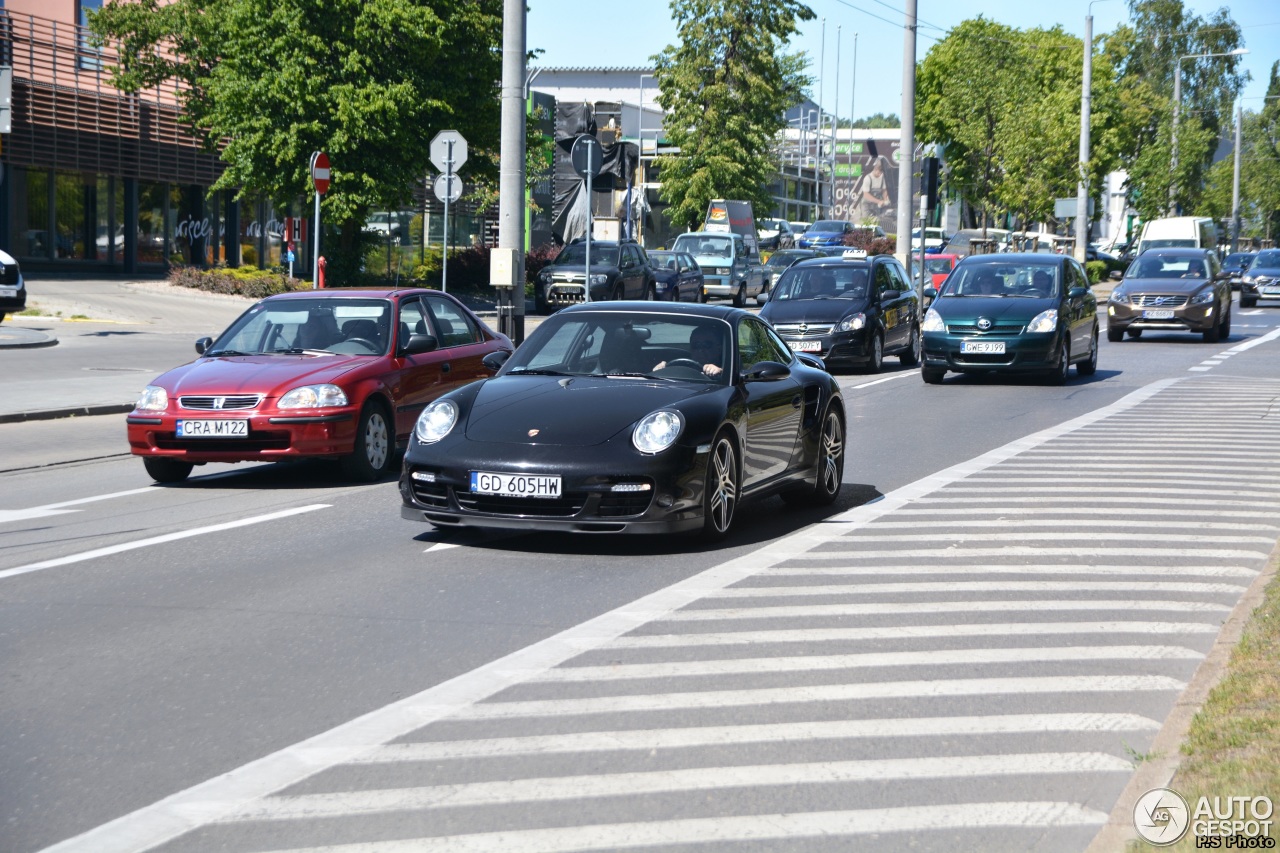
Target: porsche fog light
153,399
932,322
657,431
313,397
1045,321
436,421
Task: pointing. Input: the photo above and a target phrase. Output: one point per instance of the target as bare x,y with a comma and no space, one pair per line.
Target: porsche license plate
982,347
515,485
1160,314
213,429
806,346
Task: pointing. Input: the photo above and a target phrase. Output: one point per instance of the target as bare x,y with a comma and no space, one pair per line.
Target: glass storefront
80,218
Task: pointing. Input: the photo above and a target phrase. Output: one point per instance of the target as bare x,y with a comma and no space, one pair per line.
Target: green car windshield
1014,280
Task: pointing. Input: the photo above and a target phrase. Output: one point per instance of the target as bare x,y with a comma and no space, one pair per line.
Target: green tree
1146,54
874,122
367,81
726,87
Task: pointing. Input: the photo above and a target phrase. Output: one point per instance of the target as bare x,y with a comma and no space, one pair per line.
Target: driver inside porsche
706,349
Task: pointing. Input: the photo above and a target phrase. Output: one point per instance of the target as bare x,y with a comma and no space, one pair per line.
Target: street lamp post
1235,184
1086,105
1177,106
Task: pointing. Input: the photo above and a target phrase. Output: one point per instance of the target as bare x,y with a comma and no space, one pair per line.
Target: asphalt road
267,657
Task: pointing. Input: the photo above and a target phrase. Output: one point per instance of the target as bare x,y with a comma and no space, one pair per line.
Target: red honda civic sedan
338,373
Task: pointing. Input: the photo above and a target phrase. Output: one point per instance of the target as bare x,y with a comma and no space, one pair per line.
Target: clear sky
571,33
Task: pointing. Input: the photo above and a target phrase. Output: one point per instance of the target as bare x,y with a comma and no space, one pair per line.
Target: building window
88,56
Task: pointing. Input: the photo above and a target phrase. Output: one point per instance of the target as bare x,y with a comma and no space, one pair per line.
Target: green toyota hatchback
1012,313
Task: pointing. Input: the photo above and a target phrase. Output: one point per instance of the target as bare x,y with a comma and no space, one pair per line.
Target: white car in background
775,234
13,290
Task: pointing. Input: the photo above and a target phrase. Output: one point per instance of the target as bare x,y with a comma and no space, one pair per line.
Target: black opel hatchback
851,310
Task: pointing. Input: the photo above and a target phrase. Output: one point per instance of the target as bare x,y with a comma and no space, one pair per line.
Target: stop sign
320,171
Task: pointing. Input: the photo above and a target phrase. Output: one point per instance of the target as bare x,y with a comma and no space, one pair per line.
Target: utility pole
1235,184
1086,103
907,143
506,270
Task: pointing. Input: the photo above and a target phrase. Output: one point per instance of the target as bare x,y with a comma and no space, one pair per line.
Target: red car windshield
345,326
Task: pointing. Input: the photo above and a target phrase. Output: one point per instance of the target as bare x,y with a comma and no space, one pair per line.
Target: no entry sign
320,171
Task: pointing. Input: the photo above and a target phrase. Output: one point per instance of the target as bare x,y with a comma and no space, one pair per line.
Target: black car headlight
657,431
852,323
436,421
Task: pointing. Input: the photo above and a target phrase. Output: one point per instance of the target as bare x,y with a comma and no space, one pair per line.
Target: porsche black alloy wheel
830,465
721,492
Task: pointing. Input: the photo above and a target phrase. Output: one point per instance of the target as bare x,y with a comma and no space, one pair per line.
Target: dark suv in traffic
619,270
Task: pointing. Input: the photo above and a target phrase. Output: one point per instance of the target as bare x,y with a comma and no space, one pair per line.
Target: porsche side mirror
202,345
766,371
494,360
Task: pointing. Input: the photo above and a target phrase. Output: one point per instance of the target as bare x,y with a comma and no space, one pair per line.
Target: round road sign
448,187
587,156
320,171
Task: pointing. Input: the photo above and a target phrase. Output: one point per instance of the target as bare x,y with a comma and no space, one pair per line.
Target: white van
1179,232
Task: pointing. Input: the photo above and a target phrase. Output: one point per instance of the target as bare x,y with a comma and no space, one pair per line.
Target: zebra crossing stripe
594,786
804,611
761,828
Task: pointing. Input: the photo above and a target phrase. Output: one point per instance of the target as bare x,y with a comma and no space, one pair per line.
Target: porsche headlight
852,323
1045,321
153,399
933,322
313,397
1204,297
657,431
436,421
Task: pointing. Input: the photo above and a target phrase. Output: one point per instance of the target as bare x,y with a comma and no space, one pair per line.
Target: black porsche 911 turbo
629,417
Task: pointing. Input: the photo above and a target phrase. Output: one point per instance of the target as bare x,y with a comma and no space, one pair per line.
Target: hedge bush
237,281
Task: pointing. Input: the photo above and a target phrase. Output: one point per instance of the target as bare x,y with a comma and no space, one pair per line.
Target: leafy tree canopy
369,82
726,87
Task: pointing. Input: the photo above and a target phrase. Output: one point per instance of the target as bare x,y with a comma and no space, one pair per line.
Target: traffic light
929,180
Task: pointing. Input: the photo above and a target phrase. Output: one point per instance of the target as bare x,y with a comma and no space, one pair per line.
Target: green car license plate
982,347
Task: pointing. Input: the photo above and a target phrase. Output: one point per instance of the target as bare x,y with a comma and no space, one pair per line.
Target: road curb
1166,748
73,412
15,337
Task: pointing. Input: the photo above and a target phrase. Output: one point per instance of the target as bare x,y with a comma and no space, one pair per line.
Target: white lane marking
1210,481
441,546
7,515
915,373
806,693
683,738
1200,369
836,635
587,787
896,608
157,540
825,826
166,819
1268,337
865,660
884,569
974,586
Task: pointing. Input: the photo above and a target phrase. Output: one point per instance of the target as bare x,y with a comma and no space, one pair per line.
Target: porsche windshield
626,345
